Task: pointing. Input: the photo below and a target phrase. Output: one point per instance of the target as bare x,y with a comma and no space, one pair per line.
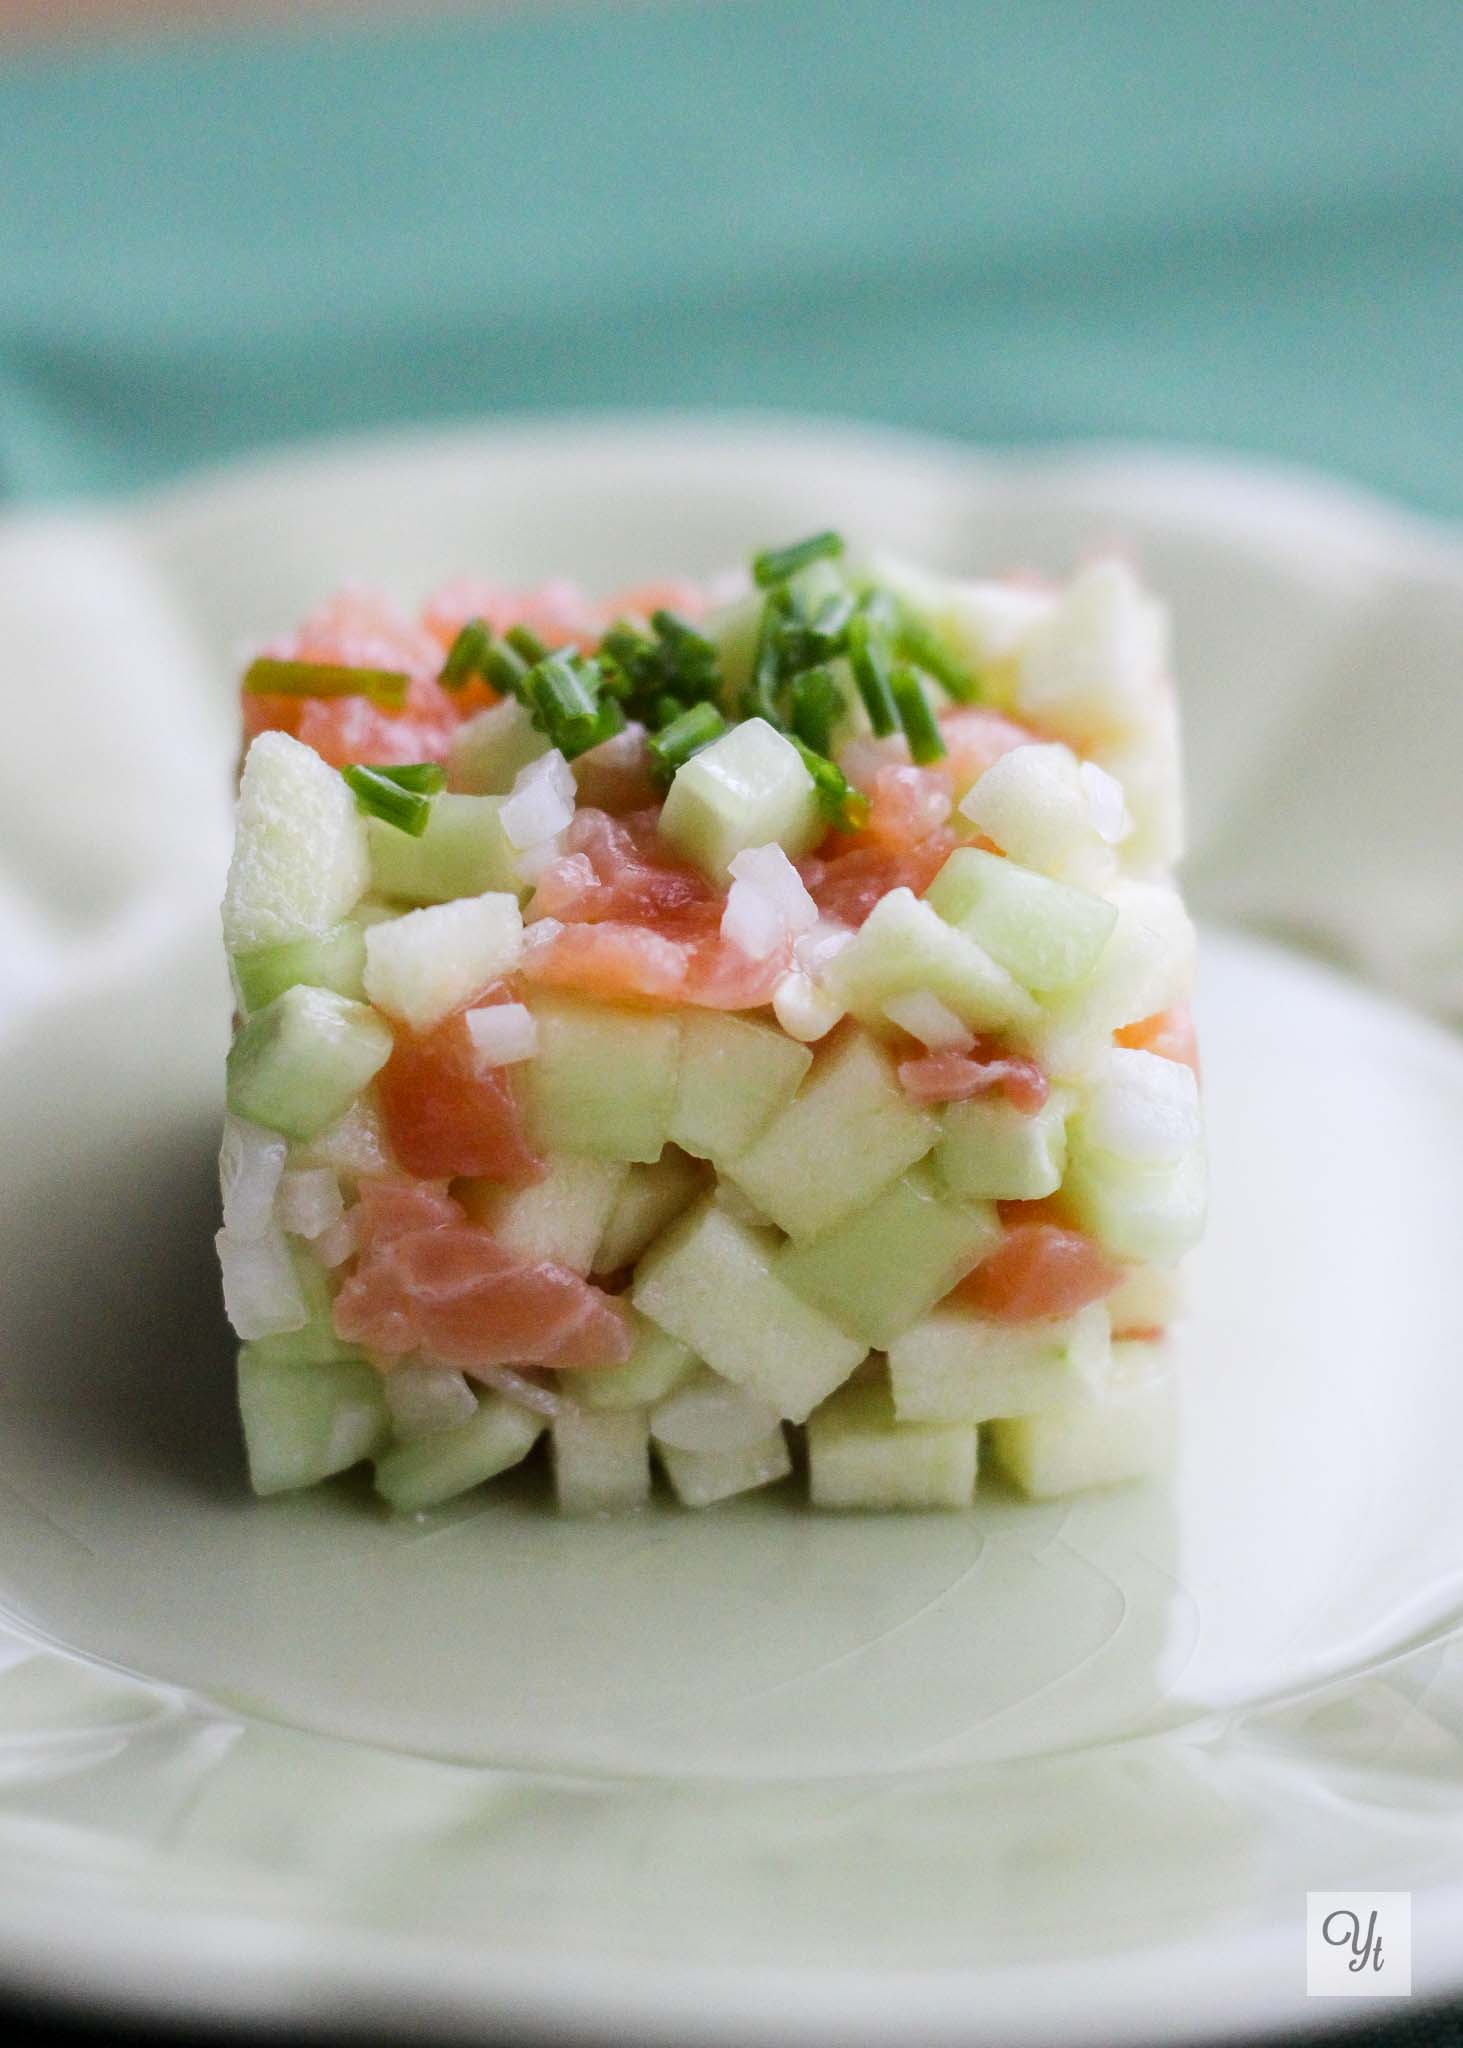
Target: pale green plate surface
1052,1773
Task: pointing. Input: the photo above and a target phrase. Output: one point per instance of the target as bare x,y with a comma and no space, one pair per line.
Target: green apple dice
904,946
711,1282
749,788
1138,1213
489,748
956,1366
432,1469
300,862
603,1081
303,1423
735,1076
657,1363
335,960
315,1341
300,1062
848,1132
1045,933
990,1148
1126,1432
879,1271
423,966
648,1197
561,1217
463,852
701,1478
601,1462
861,1456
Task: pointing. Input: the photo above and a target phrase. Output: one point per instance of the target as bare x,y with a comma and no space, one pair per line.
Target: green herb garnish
672,747
817,702
921,727
467,656
268,676
424,777
775,565
841,803
868,656
379,795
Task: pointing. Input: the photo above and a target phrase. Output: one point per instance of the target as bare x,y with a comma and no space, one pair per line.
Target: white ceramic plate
1054,1774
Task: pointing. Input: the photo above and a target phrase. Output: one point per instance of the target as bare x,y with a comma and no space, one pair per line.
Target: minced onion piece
925,1017
768,868
422,1399
753,921
514,1386
708,1413
1144,1109
1106,802
334,1246
250,1162
542,801
530,864
262,1295
815,948
502,1033
308,1201
354,1145
805,1011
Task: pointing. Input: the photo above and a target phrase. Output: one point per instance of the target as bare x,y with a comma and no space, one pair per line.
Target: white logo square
1358,1944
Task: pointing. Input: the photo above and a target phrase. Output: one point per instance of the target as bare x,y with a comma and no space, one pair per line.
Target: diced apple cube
1046,933
1093,667
1147,1298
299,863
561,1216
601,1462
710,1282
657,1363
425,965
649,1198
303,1423
1127,1432
956,1366
708,1413
299,1063
463,852
1142,1108
848,1132
604,1080
436,1468
1138,1213
489,748
423,1400
701,1478
860,1456
749,788
879,1271
904,946
1034,804
991,1149
735,1076
1147,965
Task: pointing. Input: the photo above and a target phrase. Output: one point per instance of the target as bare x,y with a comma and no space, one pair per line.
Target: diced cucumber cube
1047,934
710,1282
848,1132
708,1413
423,1400
735,1076
879,1271
1138,1213
425,965
337,960
859,1456
1147,965
601,1462
749,788
988,1147
959,1367
905,946
560,1217
648,1198
300,1062
463,852
603,1081
432,1469
302,1423
701,1478
657,1363
488,749
299,861
1127,1432
315,1342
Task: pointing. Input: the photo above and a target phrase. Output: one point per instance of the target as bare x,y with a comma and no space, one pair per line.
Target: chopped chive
467,655
425,777
840,802
386,687
672,747
528,644
830,623
665,710
919,644
920,727
504,669
380,797
565,699
682,637
869,660
816,704
760,697
775,565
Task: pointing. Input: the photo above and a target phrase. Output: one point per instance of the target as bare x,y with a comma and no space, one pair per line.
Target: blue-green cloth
1234,224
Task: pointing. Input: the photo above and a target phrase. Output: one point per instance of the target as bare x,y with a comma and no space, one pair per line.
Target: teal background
1232,222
